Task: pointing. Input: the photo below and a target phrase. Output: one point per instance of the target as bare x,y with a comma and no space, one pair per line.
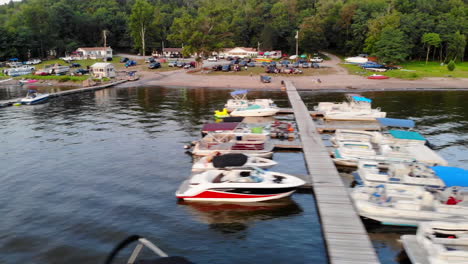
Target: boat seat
218,178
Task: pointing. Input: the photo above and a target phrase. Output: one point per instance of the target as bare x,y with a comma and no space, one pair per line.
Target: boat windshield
261,171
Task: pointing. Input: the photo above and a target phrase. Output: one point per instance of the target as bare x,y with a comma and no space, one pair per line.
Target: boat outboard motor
164,258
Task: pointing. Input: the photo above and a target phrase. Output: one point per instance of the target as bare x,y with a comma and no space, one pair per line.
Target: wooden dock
10,102
345,237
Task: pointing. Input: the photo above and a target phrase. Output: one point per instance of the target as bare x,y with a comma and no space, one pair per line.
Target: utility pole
104,32
297,43
258,46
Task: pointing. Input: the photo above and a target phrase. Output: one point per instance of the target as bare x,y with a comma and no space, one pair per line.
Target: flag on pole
297,35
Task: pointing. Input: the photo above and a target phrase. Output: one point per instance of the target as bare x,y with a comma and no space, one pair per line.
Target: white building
103,69
94,52
242,52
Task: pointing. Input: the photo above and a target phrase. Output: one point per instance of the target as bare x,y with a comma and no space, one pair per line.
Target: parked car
75,65
124,60
305,65
315,65
273,63
229,58
150,60
180,64
212,59
271,69
251,64
172,64
316,60
264,64
295,65
33,62
242,63
218,67
226,68
130,63
41,73
265,79
187,66
154,65
81,71
193,64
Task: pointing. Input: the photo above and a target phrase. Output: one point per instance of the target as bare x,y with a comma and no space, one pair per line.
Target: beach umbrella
303,56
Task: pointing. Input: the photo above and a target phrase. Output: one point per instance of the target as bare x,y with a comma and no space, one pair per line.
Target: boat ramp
345,236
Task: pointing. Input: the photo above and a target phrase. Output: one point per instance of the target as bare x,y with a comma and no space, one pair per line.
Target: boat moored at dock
449,205
246,185
33,97
231,161
438,243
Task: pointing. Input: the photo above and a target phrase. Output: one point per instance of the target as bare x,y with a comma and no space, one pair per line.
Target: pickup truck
316,60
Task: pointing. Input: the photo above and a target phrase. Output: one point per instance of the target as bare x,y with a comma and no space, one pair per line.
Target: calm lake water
82,172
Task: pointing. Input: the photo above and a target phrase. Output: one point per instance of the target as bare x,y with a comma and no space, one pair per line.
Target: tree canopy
38,28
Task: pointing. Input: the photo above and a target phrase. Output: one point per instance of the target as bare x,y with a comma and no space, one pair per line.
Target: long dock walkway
345,237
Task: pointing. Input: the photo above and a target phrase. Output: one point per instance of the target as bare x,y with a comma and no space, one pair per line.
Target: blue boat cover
361,99
452,176
239,92
395,122
402,134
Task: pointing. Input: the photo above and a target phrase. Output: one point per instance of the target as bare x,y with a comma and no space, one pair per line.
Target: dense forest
393,30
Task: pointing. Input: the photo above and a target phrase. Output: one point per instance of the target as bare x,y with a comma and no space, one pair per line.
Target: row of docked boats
232,158
240,106
403,182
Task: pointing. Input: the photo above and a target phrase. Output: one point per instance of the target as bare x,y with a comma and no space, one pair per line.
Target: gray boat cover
229,160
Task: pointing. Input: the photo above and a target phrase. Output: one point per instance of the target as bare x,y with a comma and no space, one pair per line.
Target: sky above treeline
7,1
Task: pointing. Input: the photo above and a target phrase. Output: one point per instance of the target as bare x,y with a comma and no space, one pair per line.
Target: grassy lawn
260,71
415,70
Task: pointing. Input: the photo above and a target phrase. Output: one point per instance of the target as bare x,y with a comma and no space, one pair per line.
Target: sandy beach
339,79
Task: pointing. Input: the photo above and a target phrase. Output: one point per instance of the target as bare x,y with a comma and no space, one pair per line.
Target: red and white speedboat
246,185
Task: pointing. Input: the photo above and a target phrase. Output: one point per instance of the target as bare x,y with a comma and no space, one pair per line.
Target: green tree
451,65
456,46
312,34
140,21
392,46
431,39
204,33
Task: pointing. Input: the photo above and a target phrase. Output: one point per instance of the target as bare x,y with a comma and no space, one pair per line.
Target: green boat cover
252,107
402,134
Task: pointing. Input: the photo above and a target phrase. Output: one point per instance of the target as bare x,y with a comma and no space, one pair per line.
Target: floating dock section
345,236
10,102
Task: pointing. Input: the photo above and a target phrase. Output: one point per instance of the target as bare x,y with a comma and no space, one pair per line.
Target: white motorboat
236,128
238,185
450,205
438,242
255,110
349,153
356,60
371,172
239,100
251,144
33,97
357,108
401,137
230,161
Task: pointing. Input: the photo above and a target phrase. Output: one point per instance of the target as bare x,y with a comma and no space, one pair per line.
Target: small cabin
103,69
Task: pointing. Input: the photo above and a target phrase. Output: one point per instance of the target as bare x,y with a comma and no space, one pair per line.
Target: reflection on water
219,215
82,172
